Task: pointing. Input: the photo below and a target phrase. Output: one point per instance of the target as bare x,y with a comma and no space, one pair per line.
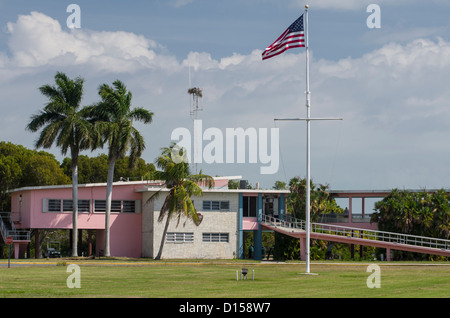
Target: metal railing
287,221
17,235
341,218
390,237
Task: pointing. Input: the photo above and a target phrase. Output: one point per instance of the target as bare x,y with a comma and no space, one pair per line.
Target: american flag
294,36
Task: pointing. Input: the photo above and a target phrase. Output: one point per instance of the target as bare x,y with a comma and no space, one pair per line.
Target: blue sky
389,84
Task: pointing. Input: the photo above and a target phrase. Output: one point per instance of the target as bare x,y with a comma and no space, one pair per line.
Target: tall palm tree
181,185
114,119
64,122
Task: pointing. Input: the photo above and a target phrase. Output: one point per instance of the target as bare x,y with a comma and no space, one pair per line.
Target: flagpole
308,147
308,120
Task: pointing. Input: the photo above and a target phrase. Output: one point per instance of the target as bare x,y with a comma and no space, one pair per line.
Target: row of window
188,237
117,206
216,206
66,205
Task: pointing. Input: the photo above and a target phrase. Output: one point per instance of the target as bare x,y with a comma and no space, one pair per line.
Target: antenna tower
196,94
194,109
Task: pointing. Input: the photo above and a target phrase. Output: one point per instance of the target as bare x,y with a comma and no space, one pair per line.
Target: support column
89,243
388,254
240,239
16,250
37,246
281,206
80,242
303,248
257,236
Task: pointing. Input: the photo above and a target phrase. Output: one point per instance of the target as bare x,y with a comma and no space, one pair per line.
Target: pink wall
250,224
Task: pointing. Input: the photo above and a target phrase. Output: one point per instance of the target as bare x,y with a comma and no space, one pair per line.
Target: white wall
213,222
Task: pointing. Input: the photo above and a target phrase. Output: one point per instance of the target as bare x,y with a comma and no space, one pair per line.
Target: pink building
50,207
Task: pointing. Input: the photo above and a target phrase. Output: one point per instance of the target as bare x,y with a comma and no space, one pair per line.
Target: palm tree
114,119
65,123
181,185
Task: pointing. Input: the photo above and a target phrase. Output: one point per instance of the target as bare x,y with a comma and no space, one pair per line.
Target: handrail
287,221
17,235
384,236
366,234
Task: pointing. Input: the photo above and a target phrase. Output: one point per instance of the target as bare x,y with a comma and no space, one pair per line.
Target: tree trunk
163,239
109,187
74,203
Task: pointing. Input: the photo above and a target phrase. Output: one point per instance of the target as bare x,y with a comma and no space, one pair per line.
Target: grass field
153,279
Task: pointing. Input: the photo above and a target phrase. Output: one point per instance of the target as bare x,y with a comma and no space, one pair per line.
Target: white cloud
39,40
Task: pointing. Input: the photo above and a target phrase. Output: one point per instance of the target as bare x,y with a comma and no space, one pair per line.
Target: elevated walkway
351,235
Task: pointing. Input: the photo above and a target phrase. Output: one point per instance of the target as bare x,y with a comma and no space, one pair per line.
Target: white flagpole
308,147
308,120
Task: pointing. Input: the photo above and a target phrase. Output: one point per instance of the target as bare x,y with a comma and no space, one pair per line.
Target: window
83,205
67,205
249,206
100,206
216,206
115,206
54,205
215,237
225,205
206,205
177,237
129,207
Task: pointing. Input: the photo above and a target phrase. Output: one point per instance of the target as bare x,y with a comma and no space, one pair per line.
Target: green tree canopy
95,169
417,213
321,200
22,167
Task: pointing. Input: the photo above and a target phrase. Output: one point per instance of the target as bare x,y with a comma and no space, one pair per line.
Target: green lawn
118,278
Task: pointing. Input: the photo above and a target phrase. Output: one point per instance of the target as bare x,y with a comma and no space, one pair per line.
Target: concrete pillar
240,227
37,246
281,206
388,254
89,243
257,235
80,242
16,250
303,248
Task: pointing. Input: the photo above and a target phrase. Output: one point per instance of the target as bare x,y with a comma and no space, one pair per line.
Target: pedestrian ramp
351,235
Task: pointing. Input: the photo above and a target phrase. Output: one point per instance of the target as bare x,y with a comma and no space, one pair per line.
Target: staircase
7,228
344,234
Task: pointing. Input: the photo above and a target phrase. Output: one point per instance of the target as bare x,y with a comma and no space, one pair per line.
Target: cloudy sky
390,85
